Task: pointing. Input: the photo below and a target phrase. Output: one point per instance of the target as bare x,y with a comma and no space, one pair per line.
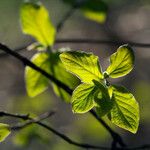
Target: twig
108,42
116,137
38,120
27,62
65,18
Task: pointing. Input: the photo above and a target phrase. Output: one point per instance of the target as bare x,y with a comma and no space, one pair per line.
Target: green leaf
83,98
36,83
95,10
84,65
59,72
121,62
102,98
35,21
4,131
125,111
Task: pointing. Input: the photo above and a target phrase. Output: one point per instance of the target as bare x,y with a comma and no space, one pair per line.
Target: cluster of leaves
68,67
94,91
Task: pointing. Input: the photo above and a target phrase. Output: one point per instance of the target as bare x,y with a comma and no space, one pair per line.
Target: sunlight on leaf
125,111
83,98
4,131
84,65
121,62
35,21
36,83
95,10
102,98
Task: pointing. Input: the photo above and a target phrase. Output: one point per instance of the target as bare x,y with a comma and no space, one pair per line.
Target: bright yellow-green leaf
84,65
36,83
121,62
59,72
95,16
83,98
125,111
102,98
35,21
95,10
4,131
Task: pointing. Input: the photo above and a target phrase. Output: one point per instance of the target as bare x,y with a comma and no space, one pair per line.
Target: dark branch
108,42
38,120
25,61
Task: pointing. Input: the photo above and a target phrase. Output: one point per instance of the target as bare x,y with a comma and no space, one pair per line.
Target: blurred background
126,21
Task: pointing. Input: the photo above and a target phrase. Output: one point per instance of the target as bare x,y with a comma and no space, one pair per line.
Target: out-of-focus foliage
26,135
4,131
95,10
35,21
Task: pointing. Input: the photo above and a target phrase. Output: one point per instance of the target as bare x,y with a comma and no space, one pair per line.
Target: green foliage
84,65
95,90
4,131
82,98
125,112
95,10
26,135
36,22
36,83
121,62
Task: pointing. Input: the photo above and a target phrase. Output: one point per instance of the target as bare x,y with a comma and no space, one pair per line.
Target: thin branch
116,137
38,120
65,18
27,62
108,42
64,137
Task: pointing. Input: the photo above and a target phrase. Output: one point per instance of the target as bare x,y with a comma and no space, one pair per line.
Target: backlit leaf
125,111
102,98
84,65
121,62
36,83
83,98
35,21
4,131
95,10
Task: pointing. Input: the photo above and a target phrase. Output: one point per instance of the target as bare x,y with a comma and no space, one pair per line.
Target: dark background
127,20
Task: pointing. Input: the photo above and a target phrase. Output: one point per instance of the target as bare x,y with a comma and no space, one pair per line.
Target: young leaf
83,98
84,65
36,83
4,131
95,10
102,98
125,111
121,62
59,72
35,21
